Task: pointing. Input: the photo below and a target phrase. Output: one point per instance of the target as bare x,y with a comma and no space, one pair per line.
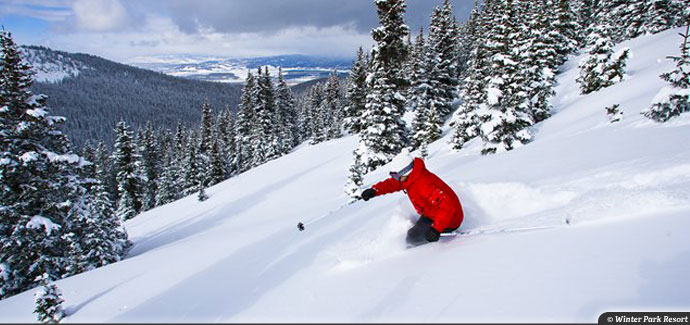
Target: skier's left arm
386,186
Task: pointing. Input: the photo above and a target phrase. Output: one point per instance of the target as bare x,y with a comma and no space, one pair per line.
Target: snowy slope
50,66
624,188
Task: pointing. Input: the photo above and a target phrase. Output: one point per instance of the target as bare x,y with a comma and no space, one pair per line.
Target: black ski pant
419,233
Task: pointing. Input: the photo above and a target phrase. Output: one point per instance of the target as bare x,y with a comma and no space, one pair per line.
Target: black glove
432,235
368,194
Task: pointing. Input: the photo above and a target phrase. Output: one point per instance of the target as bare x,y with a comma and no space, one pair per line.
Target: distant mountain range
94,93
296,68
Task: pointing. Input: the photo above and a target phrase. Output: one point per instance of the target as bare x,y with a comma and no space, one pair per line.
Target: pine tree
664,14
48,299
203,151
287,115
601,69
206,130
39,180
106,177
355,96
637,18
178,159
244,125
332,107
418,64
384,132
442,55
225,127
149,169
128,187
541,56
465,120
202,196
467,38
191,166
427,96
88,153
424,150
316,117
565,28
356,177
168,185
99,239
504,121
216,172
674,100
419,78
585,15
264,143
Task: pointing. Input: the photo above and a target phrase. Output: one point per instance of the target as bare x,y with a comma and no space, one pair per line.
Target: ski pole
300,225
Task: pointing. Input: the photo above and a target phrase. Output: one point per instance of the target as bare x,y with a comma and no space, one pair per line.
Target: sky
127,30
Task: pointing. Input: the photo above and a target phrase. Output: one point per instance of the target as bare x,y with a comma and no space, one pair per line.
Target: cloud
122,29
47,10
270,16
101,15
161,36
267,16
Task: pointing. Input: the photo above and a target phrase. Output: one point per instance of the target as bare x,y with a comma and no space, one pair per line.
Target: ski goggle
399,174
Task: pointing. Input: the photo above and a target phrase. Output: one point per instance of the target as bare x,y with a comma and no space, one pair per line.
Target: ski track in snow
623,188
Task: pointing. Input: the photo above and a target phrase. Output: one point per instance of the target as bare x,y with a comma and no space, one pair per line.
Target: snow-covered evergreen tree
217,168
99,239
355,179
542,51
316,118
201,190
191,167
504,121
384,132
149,160
465,120
427,97
332,109
585,15
264,143
128,187
419,76
88,153
442,58
467,38
601,68
356,93
225,127
168,184
48,300
106,176
566,30
674,99
664,14
39,181
244,125
203,152
287,116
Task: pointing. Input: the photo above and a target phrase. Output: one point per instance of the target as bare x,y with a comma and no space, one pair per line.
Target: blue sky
125,30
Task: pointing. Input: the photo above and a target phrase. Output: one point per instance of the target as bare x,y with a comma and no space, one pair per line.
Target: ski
474,232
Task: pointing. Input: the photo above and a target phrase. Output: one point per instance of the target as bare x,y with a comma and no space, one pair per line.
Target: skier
438,206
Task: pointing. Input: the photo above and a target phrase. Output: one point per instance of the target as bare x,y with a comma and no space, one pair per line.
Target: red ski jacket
430,196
